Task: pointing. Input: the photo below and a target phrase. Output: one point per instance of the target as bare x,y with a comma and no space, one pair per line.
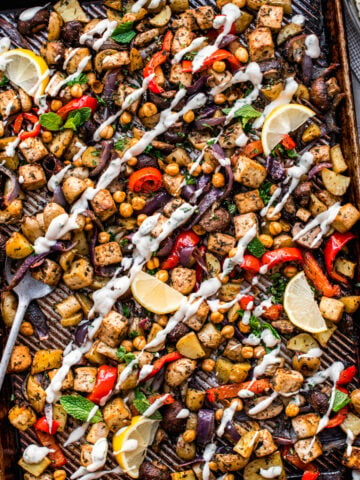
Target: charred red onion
29,262
320,166
14,188
36,316
104,158
205,427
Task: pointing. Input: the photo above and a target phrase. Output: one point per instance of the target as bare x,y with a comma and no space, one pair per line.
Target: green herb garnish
124,33
277,287
256,248
141,403
125,356
80,407
78,117
51,121
245,113
264,191
80,79
189,179
340,401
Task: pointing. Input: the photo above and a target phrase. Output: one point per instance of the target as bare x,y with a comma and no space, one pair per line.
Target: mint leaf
340,401
51,121
78,117
80,79
189,179
256,248
4,81
124,33
245,113
141,403
125,356
79,407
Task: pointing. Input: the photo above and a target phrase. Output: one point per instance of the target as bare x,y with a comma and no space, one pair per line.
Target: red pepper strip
288,142
184,240
244,301
161,362
167,41
186,66
18,123
273,313
43,425
57,456
336,242
310,475
281,255
105,381
253,149
347,375
251,264
33,119
289,454
155,61
215,57
338,418
32,133
168,400
82,102
230,391
214,33
315,274
148,179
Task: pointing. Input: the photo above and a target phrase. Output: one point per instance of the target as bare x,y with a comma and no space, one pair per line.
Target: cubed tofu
266,445
261,45
33,149
346,218
97,431
84,379
32,177
287,381
345,267
156,231
308,449
80,275
243,223
306,425
197,321
271,17
170,207
68,381
173,184
249,172
210,337
230,136
220,243
20,359
352,460
103,204
104,350
182,39
331,309
303,214
61,141
113,329
204,17
186,20
72,188
49,272
130,381
178,76
85,455
9,103
73,59
183,279
116,414
249,201
321,153
108,254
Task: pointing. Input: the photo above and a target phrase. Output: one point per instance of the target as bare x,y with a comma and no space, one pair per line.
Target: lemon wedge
281,121
130,444
301,307
26,70
154,295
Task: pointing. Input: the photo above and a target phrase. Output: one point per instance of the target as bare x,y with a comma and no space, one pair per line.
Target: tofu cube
243,223
103,204
346,218
249,172
197,321
72,188
97,431
156,231
331,309
177,75
32,177
113,329
220,243
303,214
321,153
271,17
116,414
352,460
183,279
74,61
49,272
249,201
108,254
306,425
171,206
20,359
33,149
307,454
345,267
68,381
9,103
261,44
79,275
84,380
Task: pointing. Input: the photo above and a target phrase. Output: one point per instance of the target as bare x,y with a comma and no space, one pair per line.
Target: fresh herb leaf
80,79
231,207
258,327
125,356
245,113
133,334
151,272
78,117
189,179
340,401
101,101
149,149
126,310
256,248
124,242
211,141
277,287
51,121
121,144
264,191
292,153
124,33
95,153
4,81
79,407
141,403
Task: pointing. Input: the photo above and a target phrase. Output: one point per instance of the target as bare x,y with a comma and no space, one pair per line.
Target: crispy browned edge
350,145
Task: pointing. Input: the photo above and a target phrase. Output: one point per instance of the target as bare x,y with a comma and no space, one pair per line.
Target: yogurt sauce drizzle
228,415
194,45
35,454
98,459
30,13
312,46
58,227
104,28
5,43
271,472
207,456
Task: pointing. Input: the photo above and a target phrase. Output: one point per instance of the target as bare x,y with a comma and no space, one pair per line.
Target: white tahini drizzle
271,472
70,55
251,74
350,437
57,178
312,46
29,13
207,456
237,259
298,20
194,45
228,415
79,432
183,413
5,43
55,89
312,353
58,227
159,402
35,454
263,404
104,28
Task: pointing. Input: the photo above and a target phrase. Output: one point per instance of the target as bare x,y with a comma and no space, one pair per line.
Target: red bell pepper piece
18,123
184,240
42,424
253,149
314,273
186,66
57,456
288,142
347,375
281,255
33,119
161,362
215,57
338,419
308,475
336,242
83,102
273,312
168,38
167,401
289,454
155,61
147,179
230,391
251,264
245,300
105,381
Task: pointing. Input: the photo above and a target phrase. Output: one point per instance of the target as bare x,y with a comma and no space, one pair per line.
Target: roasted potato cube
22,417
108,254
190,347
72,63
351,303
204,17
311,133
103,204
337,159
352,423
84,380
286,381
233,350
31,228
249,201
33,149
243,223
111,59
46,360
35,469
247,443
335,183
103,349
194,399
97,431
324,337
51,211
261,45
70,10
9,103
331,309
270,16
20,359
179,156
346,218
253,469
265,444
60,142
210,337
184,475
352,460
242,23
345,267
72,188
36,395
113,329
116,414
230,462
307,454
306,425
249,172
49,272
220,243
183,279
60,416
80,275
195,322
155,329
68,381
32,176
230,136
173,184
303,214
17,246
179,371
68,306
179,5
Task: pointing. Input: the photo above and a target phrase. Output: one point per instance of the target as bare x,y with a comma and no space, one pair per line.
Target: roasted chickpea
107,132
59,475
88,227
275,228
208,365
26,329
259,352
138,203
153,263
355,400
216,317
125,210
104,237
228,331
242,54
163,320
218,180
219,66
239,404
128,345
213,466
148,109
219,414
290,271
247,351
195,172
189,436
132,161
125,118
2,129
141,218
243,327
219,99
266,240
162,275
172,169
76,91
189,116
207,168
139,342
119,196
55,105
46,137
89,183
292,410
270,215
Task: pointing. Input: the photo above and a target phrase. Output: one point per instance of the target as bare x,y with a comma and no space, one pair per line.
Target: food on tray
178,172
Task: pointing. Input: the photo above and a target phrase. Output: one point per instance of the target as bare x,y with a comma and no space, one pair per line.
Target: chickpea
207,168
218,180
247,352
125,118
107,132
213,466
59,475
219,414
138,203
292,409
224,280
228,331
242,54
163,320
355,400
273,189
132,161
128,345
290,271
153,263
147,110
139,342
208,365
76,91
195,172
285,226
239,404
46,137
259,352
26,329
104,237
199,230
172,169
119,196
229,476
243,327
266,240
55,105
126,210
189,116
275,228
141,218
2,129
219,99
219,66
162,275
189,436
88,227
270,215
89,183
216,317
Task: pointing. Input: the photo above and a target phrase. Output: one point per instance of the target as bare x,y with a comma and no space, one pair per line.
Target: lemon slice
154,295
282,120
301,307
26,70
130,444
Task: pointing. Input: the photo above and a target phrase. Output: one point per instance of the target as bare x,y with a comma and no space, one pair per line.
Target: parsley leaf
231,207
121,144
257,327
80,79
133,334
292,153
79,407
78,117
256,248
189,179
264,191
277,287
141,403
4,81
126,311
124,33
124,356
51,121
245,113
